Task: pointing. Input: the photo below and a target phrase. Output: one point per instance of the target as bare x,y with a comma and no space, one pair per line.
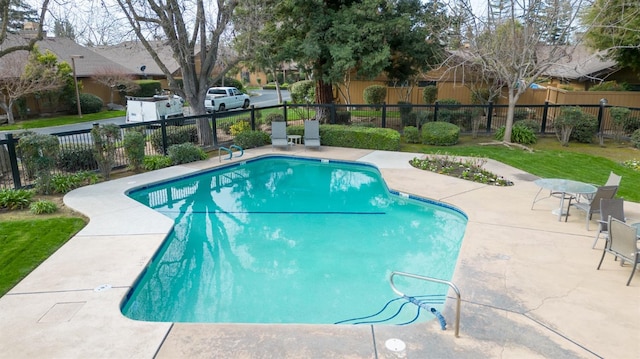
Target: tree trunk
324,95
514,95
8,108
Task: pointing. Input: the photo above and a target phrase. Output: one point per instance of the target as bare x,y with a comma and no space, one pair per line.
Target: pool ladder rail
230,151
430,279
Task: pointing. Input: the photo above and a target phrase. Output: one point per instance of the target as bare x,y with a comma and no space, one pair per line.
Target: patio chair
279,134
311,134
613,180
609,208
622,243
593,206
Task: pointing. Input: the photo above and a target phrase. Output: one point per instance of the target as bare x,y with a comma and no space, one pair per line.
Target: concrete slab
529,284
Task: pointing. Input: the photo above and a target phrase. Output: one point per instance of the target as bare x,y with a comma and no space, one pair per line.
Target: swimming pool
289,240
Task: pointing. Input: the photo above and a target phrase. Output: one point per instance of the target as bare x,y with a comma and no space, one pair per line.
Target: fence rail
77,145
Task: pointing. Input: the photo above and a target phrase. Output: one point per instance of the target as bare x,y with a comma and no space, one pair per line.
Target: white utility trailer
145,109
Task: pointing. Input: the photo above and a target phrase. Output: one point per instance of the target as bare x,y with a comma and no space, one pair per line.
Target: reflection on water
291,241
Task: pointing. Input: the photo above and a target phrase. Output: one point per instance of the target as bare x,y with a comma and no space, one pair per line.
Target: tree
17,13
116,79
331,37
417,32
513,46
256,20
615,28
338,39
12,11
63,28
192,31
41,73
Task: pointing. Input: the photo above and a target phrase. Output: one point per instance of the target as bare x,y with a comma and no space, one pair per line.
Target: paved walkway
528,282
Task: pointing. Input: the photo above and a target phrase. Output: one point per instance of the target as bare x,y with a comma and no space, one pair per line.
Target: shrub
440,133
239,127
303,91
354,136
585,130
73,159
104,147
619,116
423,117
635,138
230,82
364,124
449,101
13,199
609,86
252,139
185,153
147,88
519,134
175,135
39,152
43,207
224,125
520,114
273,117
375,95
533,125
156,162
63,183
406,109
430,94
567,120
89,103
411,134
632,124
343,117
134,144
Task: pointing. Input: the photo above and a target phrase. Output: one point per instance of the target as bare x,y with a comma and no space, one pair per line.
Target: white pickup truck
225,98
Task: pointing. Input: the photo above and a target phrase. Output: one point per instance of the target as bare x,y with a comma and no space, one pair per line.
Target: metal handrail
429,279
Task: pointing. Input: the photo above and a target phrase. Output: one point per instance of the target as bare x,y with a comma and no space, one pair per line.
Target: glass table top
565,185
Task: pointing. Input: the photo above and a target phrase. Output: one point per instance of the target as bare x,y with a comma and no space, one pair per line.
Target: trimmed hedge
251,139
440,133
354,137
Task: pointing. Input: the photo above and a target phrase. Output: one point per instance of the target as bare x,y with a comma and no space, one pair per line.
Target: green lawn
551,160
62,120
27,243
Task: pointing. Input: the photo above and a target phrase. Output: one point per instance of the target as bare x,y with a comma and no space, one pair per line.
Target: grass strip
27,243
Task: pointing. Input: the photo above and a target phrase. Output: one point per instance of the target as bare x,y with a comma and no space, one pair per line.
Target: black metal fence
161,134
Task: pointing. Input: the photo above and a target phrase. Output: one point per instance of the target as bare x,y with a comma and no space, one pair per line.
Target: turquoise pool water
286,240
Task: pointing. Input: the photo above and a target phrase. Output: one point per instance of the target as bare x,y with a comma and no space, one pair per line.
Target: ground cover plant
471,169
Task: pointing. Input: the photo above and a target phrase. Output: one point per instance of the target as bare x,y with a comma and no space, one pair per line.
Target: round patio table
564,189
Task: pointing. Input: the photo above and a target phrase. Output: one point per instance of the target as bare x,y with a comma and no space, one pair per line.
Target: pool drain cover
102,288
395,345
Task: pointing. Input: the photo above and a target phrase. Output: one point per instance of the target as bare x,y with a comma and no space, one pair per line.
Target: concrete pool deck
529,283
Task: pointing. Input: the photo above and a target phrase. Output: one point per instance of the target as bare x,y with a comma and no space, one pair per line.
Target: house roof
64,48
580,63
133,55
